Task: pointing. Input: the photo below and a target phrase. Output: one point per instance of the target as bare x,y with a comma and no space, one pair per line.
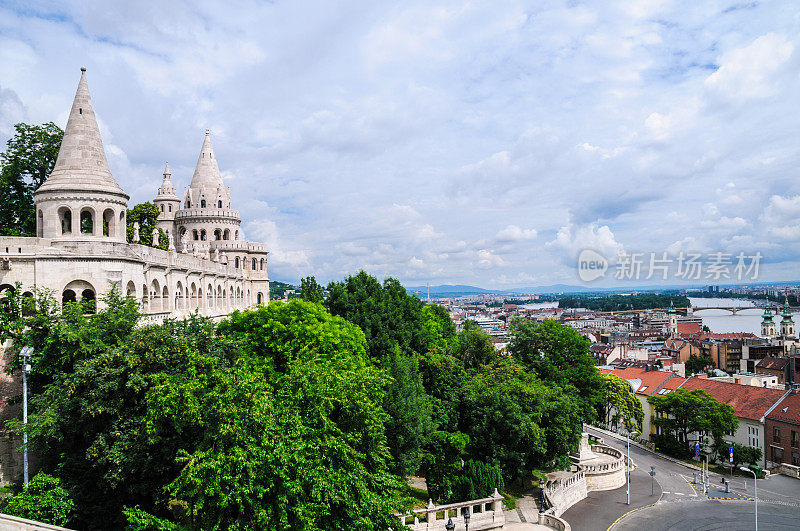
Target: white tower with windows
80,199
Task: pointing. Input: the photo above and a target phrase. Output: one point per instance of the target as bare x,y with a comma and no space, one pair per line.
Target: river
722,321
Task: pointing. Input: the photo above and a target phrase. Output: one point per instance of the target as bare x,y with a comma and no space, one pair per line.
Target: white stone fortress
80,249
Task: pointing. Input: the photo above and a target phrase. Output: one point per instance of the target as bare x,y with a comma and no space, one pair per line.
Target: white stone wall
168,284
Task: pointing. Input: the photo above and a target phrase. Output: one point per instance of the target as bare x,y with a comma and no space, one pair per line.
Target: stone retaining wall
607,476
13,523
554,522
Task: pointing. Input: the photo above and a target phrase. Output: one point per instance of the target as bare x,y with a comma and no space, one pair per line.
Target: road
683,505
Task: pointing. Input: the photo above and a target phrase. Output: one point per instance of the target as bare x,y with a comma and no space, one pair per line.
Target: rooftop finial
83,69
207,131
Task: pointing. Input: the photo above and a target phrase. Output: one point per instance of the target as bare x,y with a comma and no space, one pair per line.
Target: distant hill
277,289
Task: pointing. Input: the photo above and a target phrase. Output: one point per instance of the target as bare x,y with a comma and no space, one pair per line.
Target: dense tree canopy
291,416
26,163
559,355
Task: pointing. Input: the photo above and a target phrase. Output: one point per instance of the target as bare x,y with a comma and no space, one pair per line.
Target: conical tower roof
767,316
81,164
166,190
206,173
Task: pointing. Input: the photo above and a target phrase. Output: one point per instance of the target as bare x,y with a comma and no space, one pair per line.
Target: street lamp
467,516
628,464
450,526
25,354
541,487
755,486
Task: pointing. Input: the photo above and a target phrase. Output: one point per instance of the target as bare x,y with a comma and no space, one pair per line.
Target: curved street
682,505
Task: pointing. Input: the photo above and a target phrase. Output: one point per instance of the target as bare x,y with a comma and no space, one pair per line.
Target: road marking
668,492
688,483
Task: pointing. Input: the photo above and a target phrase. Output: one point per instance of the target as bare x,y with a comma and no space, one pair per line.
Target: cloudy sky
485,143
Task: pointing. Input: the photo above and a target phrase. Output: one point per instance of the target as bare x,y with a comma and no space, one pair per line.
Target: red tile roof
788,410
773,363
727,335
689,329
649,381
747,401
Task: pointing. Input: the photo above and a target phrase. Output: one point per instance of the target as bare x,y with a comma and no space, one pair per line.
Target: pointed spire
787,310
167,173
671,307
81,163
206,173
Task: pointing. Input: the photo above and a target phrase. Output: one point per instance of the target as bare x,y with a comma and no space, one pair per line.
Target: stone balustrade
562,494
485,513
554,522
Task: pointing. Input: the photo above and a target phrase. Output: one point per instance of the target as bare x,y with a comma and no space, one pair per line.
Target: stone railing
562,494
554,522
486,513
13,523
605,476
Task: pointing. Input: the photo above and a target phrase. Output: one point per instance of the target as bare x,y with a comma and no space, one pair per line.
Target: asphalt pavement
682,504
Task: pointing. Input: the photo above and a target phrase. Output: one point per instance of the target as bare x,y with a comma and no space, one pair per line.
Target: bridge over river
689,310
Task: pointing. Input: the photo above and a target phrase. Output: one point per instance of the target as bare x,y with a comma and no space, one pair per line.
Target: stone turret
168,203
206,216
80,199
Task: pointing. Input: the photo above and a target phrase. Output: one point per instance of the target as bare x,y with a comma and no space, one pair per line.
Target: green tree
409,412
559,356
385,312
146,215
683,412
742,454
441,463
440,328
43,500
618,404
501,412
303,448
477,480
443,377
311,291
27,162
696,364
473,346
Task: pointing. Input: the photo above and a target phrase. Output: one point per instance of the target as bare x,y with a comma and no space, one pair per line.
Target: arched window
88,301
226,235
236,262
219,203
40,225
217,234
259,298
202,203
254,264
194,233
188,204
65,215
203,235
162,208
68,296
87,222
170,208
236,236
130,290
108,223
262,264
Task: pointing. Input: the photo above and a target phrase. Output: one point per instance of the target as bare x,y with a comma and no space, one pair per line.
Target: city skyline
483,145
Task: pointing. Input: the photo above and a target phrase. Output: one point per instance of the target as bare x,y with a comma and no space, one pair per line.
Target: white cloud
473,143
750,71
